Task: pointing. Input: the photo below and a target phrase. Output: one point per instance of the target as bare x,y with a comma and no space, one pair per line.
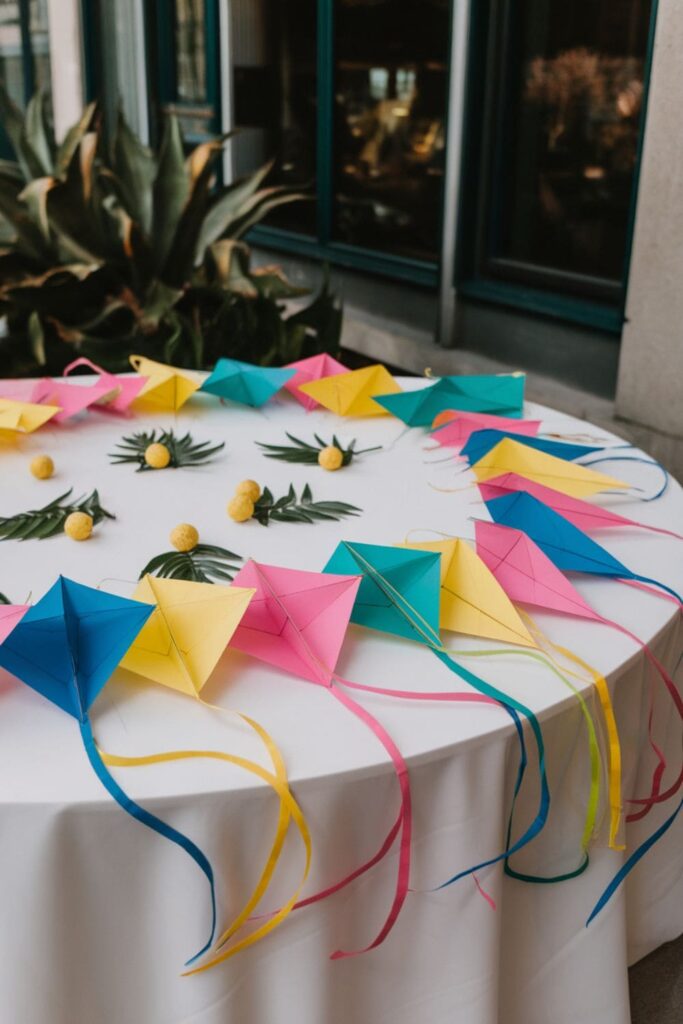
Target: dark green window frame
28,72
603,304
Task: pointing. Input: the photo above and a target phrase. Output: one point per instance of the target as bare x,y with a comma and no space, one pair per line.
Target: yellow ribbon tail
614,745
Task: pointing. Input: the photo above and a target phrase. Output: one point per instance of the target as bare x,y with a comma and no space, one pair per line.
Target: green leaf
227,204
48,521
205,563
183,450
136,169
37,339
290,509
39,134
71,141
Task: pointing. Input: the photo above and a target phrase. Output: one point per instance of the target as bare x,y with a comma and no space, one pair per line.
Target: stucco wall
650,382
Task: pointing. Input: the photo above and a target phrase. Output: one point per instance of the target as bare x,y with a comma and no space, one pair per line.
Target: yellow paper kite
350,394
471,600
182,641
23,417
167,387
510,456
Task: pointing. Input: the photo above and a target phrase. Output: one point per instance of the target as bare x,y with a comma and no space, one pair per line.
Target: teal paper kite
66,647
564,544
246,383
400,594
502,395
480,443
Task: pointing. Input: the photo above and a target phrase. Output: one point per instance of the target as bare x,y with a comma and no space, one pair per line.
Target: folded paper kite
566,546
530,574
66,647
307,370
246,383
510,456
475,604
24,417
17,390
72,399
10,615
400,594
179,646
481,442
452,429
582,514
500,394
120,390
352,393
297,622
166,389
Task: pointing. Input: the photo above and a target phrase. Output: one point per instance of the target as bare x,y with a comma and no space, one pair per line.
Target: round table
99,914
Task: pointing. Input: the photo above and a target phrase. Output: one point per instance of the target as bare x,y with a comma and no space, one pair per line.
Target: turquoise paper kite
246,383
502,395
400,594
66,647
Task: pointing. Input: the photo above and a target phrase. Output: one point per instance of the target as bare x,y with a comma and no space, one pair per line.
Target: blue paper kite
246,383
480,443
66,647
565,545
500,394
400,594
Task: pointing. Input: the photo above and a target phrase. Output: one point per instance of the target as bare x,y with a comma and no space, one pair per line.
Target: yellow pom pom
78,526
42,467
157,456
250,488
331,458
184,537
241,508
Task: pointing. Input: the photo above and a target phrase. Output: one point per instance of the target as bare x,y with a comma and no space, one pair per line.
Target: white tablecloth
98,914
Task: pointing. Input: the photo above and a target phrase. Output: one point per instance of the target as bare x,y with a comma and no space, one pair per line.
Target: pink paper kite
455,432
581,513
119,390
10,615
71,398
310,369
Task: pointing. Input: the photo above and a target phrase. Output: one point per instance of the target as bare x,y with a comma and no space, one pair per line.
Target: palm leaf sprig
307,454
48,521
183,450
4,600
291,509
205,563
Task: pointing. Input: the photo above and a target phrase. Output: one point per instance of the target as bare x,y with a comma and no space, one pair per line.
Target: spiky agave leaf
205,563
291,509
307,454
183,450
48,521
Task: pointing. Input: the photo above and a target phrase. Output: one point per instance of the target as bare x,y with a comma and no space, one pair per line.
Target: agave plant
119,248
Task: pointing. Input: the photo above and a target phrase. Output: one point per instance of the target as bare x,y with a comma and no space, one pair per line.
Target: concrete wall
650,382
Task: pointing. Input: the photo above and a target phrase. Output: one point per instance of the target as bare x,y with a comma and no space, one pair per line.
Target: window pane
565,159
275,102
184,52
389,133
40,45
11,63
190,51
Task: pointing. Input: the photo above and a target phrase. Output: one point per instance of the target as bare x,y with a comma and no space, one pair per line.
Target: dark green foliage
119,250
38,524
290,509
307,454
183,450
205,563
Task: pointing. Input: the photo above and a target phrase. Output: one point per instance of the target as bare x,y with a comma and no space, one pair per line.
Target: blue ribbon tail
635,458
631,863
151,821
656,583
512,707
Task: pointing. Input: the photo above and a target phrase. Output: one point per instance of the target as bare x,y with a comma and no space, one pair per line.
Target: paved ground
656,985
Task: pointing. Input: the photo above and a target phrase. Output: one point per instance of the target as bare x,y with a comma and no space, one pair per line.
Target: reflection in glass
565,160
40,45
275,102
389,131
188,93
11,61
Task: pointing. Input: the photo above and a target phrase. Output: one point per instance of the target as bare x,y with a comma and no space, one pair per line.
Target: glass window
24,54
274,55
563,120
11,52
391,71
40,44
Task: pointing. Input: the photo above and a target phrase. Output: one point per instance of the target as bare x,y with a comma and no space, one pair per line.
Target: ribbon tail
634,458
631,863
401,770
151,821
659,587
